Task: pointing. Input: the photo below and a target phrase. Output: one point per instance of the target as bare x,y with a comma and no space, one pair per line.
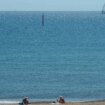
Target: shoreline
52,100
67,103
86,102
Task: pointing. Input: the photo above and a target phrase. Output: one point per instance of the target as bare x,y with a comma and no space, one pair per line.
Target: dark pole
43,19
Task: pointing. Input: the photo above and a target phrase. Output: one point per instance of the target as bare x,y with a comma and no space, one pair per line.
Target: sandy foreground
67,103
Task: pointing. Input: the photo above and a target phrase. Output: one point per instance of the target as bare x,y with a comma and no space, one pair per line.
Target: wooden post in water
43,19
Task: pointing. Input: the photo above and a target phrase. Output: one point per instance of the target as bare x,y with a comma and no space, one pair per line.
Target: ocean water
64,57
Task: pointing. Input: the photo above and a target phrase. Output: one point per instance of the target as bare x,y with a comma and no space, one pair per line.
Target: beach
75,103
67,103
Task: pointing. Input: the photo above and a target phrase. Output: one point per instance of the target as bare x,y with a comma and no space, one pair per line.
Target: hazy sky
51,5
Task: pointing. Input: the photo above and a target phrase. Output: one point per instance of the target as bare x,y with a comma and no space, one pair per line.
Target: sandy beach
67,103
75,103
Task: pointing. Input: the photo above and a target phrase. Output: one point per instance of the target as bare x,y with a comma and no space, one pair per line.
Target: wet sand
67,103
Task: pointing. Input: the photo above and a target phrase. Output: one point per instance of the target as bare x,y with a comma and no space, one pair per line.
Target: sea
61,54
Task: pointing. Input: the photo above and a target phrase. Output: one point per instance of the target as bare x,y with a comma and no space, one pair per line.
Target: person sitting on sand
61,100
25,101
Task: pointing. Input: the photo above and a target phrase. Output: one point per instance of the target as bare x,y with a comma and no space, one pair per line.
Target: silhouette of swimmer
25,101
61,100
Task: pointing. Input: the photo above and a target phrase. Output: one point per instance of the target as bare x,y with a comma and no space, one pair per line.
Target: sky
51,5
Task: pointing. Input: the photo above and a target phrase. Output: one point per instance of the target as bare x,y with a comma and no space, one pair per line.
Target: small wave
9,102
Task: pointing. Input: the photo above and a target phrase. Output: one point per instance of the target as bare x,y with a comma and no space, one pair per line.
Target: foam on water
9,102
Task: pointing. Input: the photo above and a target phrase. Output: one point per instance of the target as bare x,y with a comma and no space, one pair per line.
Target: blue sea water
64,57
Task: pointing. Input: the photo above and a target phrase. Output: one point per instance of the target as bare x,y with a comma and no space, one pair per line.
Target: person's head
61,97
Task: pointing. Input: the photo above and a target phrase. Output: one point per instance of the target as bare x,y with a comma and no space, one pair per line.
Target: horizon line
50,11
